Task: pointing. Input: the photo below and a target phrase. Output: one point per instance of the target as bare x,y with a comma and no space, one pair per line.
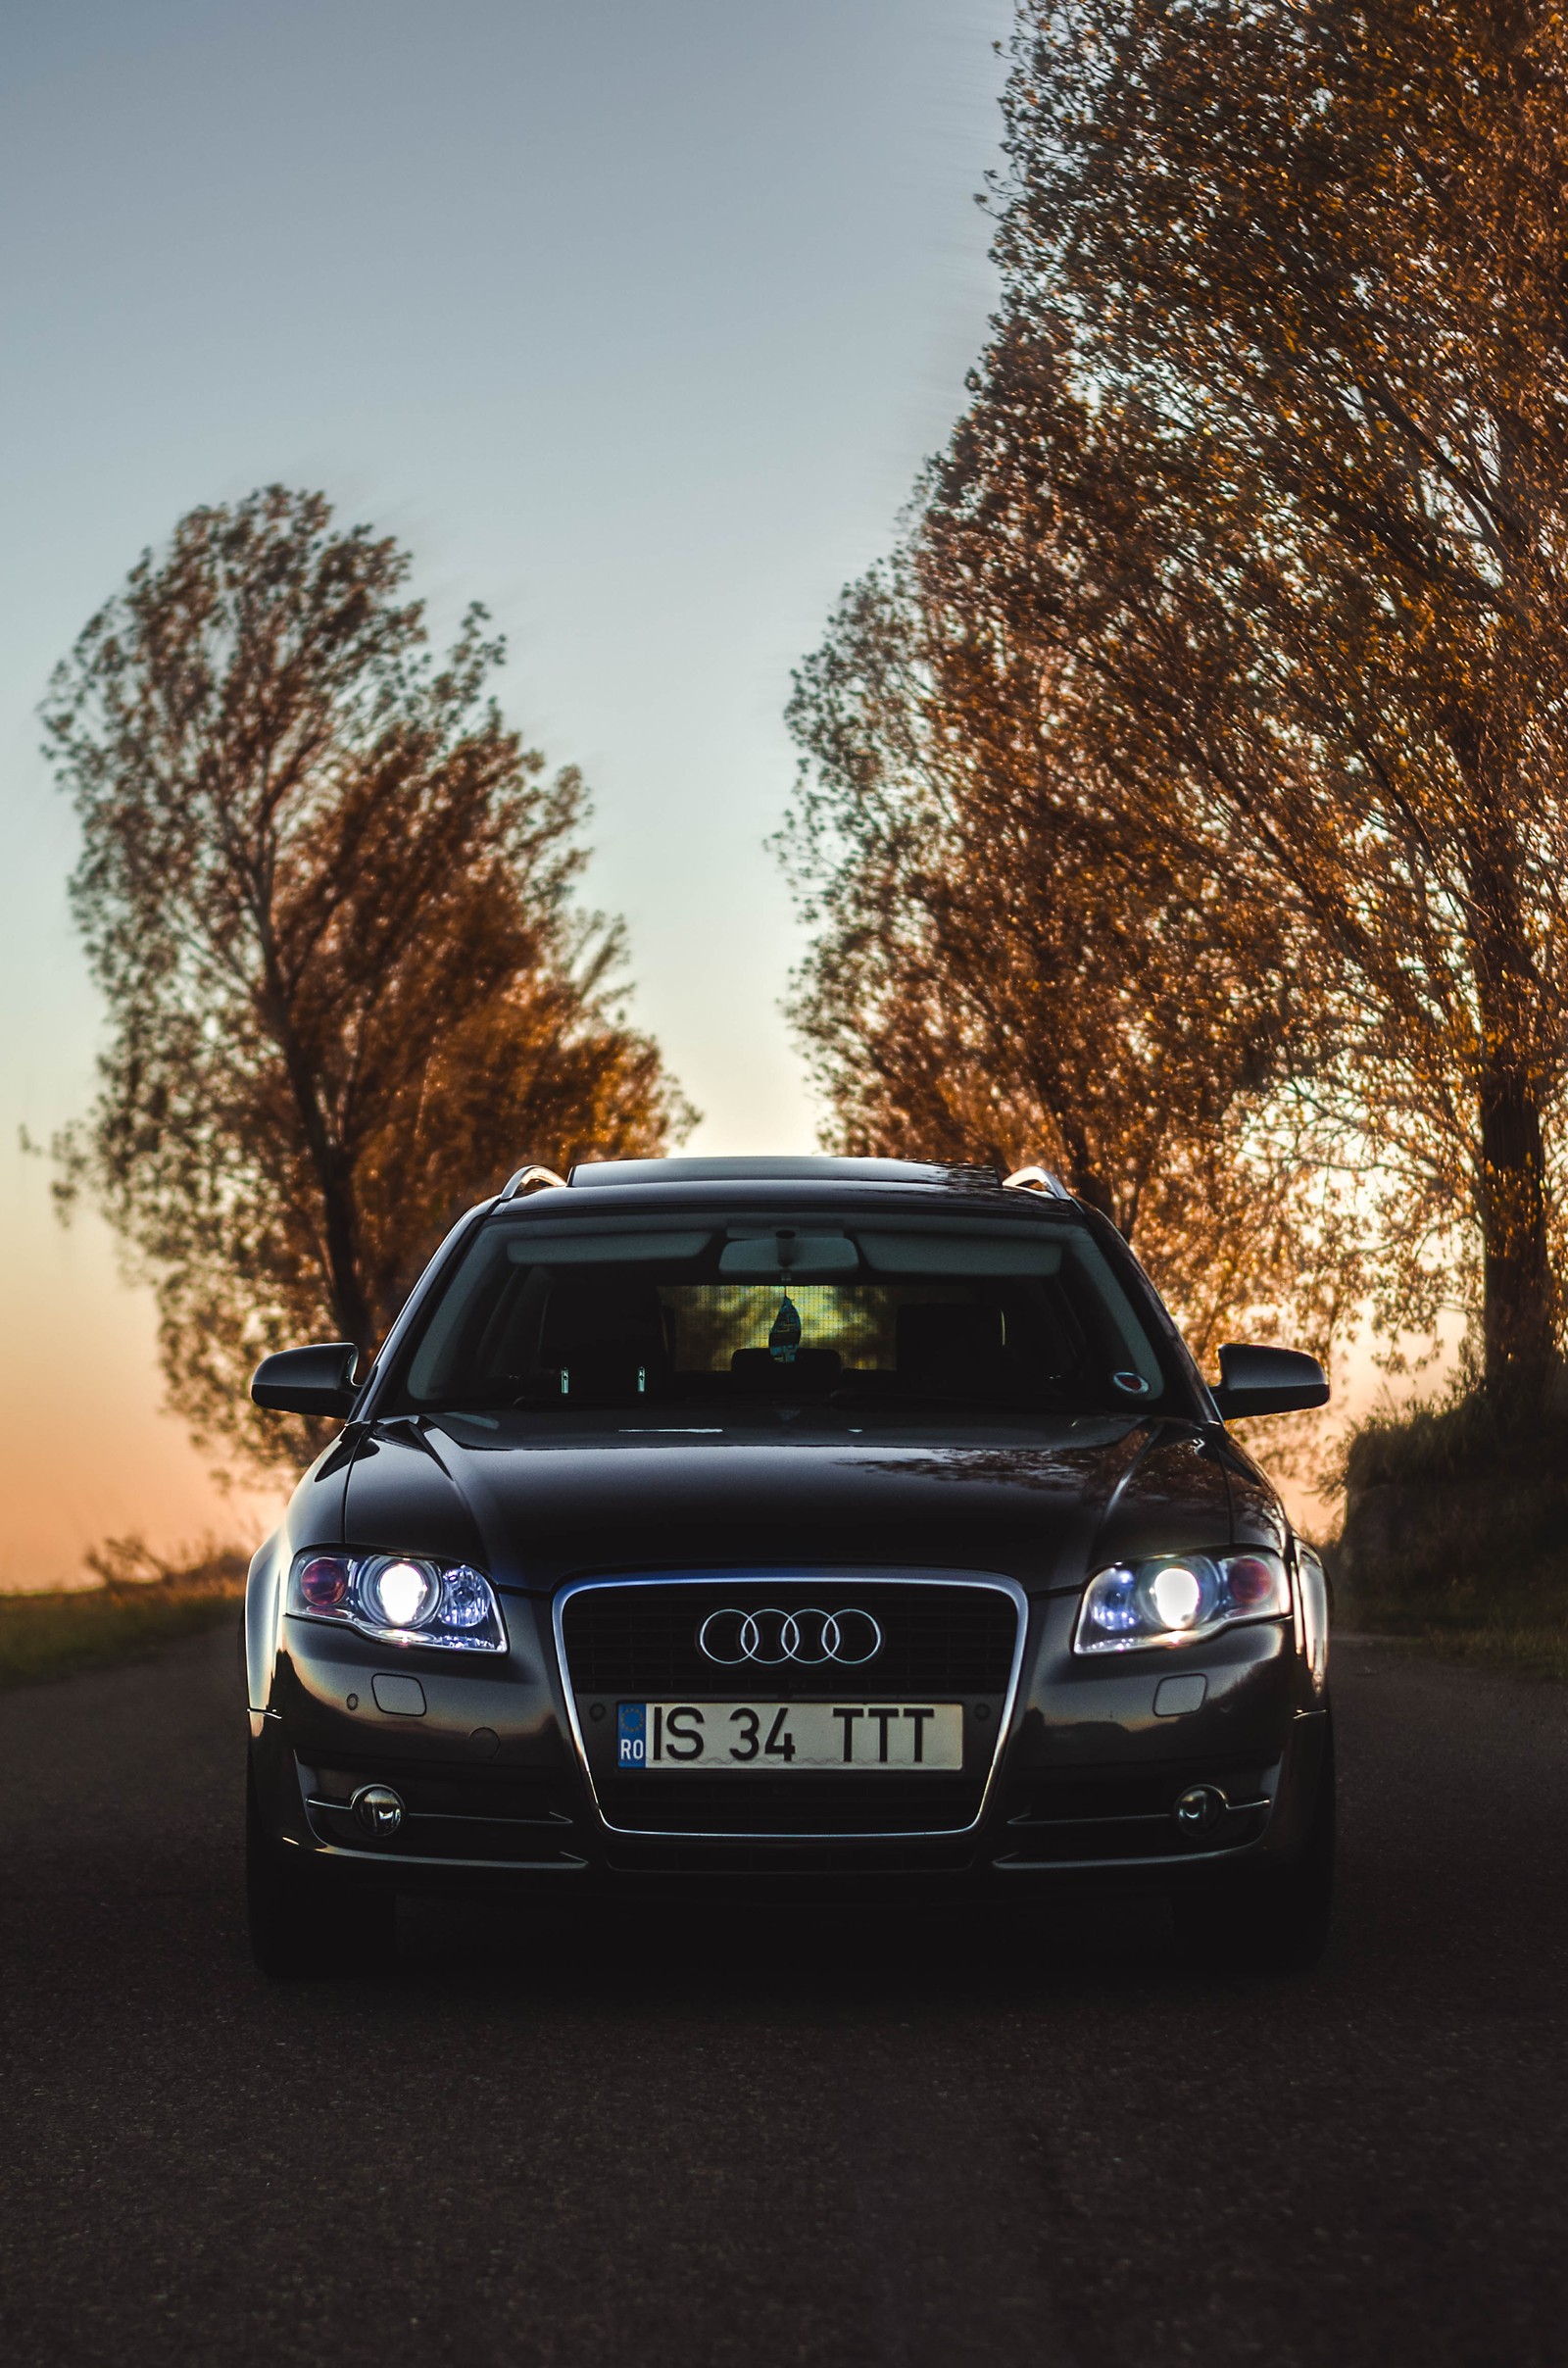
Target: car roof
596,1174
605,1187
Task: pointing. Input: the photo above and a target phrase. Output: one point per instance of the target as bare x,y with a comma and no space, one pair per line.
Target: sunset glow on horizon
654,426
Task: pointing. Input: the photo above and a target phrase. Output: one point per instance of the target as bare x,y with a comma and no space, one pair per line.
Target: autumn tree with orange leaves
1003,970
328,896
1245,568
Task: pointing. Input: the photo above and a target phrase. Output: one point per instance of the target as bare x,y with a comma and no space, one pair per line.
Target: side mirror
308,1381
1268,1381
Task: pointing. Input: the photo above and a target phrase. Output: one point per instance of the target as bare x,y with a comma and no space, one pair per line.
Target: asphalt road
759,2141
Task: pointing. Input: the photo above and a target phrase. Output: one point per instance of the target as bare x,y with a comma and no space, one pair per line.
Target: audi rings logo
807,1638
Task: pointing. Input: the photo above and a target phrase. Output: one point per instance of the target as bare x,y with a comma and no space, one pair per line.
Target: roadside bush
143,1602
1456,1529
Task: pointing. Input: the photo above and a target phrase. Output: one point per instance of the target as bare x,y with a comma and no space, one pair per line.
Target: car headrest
594,1317
932,1334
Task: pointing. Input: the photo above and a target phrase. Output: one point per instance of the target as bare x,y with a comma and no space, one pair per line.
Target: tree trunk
1083,1171
345,1286
1517,1327
350,1306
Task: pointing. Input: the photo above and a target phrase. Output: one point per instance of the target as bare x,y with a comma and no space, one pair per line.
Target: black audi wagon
722,1521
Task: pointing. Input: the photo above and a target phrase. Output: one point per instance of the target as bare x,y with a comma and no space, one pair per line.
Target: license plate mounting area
776,1739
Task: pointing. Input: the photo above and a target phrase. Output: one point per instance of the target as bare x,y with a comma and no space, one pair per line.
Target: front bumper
1073,1769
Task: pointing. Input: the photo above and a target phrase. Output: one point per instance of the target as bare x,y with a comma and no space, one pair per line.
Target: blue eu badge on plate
632,1739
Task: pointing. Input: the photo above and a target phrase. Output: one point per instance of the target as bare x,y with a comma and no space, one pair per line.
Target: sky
632,319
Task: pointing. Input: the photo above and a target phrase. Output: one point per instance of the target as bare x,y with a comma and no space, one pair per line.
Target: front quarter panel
1312,1601
1175,1497
315,1517
263,1596
1099,1711
1257,1513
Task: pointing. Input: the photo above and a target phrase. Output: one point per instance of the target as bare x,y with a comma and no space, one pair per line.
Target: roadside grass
140,1605
1455,1538
1511,1632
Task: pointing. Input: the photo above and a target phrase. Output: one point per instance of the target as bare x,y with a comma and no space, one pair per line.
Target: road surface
802,2140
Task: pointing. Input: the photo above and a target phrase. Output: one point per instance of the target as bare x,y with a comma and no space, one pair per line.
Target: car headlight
400,1599
1174,1598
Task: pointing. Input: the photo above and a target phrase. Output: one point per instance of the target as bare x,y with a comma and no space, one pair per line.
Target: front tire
1269,1919
303,1924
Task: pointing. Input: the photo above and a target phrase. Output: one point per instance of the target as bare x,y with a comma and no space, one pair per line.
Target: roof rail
529,1179
1036,1179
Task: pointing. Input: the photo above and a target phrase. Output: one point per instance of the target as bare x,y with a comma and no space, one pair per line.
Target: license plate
776,1737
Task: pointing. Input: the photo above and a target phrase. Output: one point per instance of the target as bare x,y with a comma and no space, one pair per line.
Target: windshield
720,1315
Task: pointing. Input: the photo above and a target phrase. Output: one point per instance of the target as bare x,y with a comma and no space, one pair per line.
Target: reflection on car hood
533,1508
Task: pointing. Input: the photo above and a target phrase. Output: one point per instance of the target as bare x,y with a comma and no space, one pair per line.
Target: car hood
534,1507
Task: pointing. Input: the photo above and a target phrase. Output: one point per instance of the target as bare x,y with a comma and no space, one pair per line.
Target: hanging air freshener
785,1336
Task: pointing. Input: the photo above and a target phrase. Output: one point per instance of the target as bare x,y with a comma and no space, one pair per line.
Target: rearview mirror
1268,1381
805,1257
308,1381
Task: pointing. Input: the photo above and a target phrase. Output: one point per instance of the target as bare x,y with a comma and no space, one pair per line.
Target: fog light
1201,1808
378,1809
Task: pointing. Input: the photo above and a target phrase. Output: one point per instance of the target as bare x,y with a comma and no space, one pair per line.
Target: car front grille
640,1638
943,1639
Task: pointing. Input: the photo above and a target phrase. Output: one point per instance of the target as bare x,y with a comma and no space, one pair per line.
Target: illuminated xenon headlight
399,1592
400,1599
1172,1598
